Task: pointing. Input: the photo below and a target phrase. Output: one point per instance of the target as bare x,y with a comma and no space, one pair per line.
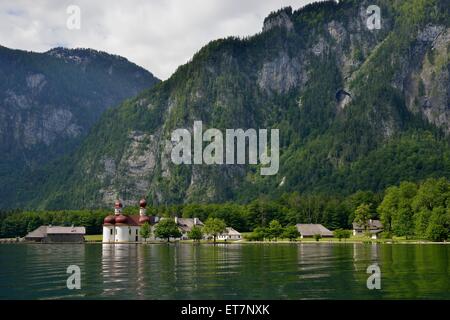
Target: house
37,235
57,234
125,228
229,234
310,230
186,224
374,227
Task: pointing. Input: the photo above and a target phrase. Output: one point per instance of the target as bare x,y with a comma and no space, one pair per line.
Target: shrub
342,234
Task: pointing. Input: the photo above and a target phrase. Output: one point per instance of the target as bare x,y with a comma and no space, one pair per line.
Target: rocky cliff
49,101
356,109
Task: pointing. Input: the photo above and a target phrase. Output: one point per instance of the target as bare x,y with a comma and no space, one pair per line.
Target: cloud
159,35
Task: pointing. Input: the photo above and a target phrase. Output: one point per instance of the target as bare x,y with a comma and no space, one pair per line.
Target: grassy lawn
99,237
352,239
93,237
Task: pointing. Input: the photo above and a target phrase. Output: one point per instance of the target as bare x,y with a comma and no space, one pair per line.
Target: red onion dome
142,203
118,204
121,219
144,219
110,220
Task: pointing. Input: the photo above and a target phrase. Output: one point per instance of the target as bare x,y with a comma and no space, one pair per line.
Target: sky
159,35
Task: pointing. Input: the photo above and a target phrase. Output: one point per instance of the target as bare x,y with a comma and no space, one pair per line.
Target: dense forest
415,210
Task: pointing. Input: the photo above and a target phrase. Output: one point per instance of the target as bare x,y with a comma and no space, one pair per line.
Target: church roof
132,220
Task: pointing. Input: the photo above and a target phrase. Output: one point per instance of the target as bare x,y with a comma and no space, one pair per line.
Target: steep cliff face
48,102
347,100
427,86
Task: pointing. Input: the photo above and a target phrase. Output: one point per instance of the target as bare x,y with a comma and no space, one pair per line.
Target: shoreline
190,242
275,243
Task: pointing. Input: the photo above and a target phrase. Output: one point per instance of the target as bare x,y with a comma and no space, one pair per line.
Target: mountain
49,101
356,108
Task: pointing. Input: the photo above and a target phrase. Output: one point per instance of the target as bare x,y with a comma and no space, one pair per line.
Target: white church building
125,228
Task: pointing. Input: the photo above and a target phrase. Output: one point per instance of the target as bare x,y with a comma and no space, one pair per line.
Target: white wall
134,233
122,234
107,236
228,237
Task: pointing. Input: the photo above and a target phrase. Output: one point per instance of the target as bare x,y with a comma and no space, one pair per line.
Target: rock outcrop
49,101
281,19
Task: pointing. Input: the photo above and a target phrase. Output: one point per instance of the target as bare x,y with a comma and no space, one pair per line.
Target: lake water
236,271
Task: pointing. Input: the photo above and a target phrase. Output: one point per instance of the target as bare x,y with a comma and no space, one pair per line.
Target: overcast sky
158,35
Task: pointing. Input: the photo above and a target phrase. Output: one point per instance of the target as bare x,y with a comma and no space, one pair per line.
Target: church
125,228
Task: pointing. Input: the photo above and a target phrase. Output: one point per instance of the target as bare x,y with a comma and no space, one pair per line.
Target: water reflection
122,268
237,271
39,270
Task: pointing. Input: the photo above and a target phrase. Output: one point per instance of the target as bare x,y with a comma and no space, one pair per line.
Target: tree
342,234
196,233
145,231
317,237
388,207
291,233
34,222
214,227
431,201
437,230
417,210
362,215
402,218
360,197
274,230
258,234
260,211
166,229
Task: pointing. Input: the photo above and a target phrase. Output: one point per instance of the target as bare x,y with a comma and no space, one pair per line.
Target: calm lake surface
237,271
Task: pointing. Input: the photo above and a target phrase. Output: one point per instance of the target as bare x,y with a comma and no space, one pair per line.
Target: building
230,234
374,228
186,224
57,234
125,228
310,230
37,235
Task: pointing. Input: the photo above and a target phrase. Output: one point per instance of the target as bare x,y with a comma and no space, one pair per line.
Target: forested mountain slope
49,101
392,125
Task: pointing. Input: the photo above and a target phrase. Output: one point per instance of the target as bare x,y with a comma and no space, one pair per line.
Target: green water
238,271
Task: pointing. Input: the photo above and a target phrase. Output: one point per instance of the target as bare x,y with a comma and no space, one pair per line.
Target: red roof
132,221
142,203
121,219
109,220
